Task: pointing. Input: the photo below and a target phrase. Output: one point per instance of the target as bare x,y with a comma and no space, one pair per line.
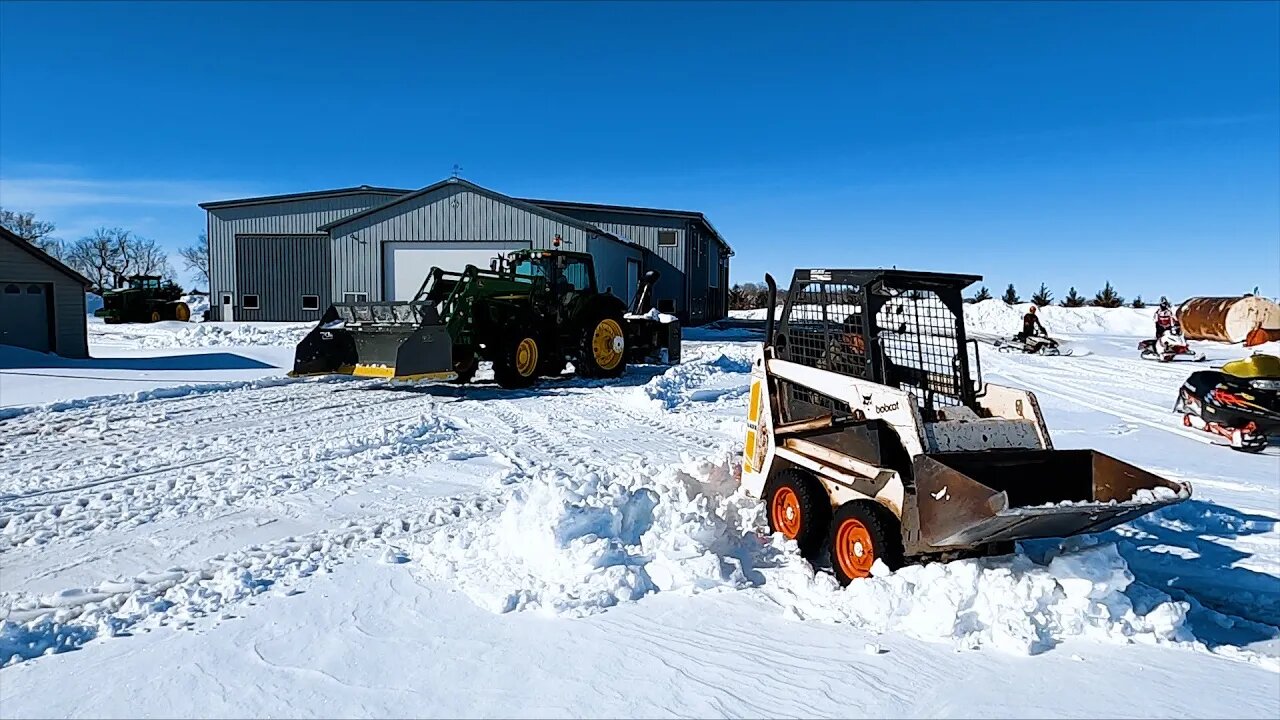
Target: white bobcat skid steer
866,437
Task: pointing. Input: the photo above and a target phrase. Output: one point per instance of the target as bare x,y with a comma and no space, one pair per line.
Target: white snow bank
579,542
994,317
173,334
997,318
1010,603
695,379
198,304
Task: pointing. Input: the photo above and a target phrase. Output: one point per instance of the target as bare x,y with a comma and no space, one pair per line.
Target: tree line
107,256
749,296
1107,297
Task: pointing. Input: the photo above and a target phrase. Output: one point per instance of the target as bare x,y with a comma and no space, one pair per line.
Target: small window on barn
250,302
226,299
12,290
355,297
666,238
34,290
310,302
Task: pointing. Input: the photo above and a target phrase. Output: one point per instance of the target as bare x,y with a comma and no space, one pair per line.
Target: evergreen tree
1107,297
1073,299
1043,296
982,294
1137,303
1011,296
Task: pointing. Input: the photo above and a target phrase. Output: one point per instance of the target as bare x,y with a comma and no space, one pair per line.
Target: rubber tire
881,525
1252,449
504,365
179,309
585,363
815,508
466,371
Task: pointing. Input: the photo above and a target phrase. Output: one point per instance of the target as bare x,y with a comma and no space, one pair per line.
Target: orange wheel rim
854,550
785,513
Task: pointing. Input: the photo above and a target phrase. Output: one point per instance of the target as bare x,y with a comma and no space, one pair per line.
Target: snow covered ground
184,531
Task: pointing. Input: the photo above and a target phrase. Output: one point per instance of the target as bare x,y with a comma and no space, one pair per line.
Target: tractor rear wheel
181,312
798,507
862,532
602,349
516,365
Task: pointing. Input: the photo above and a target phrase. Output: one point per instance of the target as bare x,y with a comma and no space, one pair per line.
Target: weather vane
456,169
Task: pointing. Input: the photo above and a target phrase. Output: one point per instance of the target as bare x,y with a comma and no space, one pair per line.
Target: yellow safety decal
753,405
749,452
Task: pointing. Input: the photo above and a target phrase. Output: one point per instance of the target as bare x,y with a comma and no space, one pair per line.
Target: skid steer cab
868,436
529,313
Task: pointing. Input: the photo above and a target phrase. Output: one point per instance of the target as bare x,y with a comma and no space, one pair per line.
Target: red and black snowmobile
1240,402
1169,347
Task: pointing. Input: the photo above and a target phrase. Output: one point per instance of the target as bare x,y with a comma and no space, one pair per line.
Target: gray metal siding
280,269
282,218
450,214
70,331
638,228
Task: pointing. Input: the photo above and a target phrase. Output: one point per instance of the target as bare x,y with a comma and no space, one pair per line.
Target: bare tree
37,232
146,257
195,258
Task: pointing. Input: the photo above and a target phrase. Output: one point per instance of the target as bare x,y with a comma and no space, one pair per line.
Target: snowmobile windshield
1256,366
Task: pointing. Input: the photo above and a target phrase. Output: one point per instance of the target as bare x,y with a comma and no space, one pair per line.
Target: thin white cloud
37,194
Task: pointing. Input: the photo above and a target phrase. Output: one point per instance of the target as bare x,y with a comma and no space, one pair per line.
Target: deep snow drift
360,547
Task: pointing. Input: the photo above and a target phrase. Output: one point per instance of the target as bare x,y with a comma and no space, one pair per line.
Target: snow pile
579,542
701,378
199,304
996,318
1011,603
92,302
173,334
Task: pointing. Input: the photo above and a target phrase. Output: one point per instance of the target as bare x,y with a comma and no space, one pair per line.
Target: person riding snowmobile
1031,326
1165,319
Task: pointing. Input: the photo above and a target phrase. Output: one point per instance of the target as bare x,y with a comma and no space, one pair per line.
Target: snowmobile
871,435
1032,345
1170,347
1240,402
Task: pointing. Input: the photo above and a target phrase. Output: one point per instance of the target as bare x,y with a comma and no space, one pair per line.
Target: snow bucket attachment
974,498
402,340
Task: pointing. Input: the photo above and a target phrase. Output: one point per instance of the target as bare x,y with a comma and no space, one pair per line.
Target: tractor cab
144,282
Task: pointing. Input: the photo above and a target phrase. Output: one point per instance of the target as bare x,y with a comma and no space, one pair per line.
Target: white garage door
406,264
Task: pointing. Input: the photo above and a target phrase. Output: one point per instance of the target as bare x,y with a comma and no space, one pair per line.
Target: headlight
1265,384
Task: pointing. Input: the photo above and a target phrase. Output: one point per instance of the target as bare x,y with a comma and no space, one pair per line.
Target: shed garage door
406,264
24,315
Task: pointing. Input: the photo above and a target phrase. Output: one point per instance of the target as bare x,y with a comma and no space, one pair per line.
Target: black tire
465,363
855,525
512,367
596,346
810,504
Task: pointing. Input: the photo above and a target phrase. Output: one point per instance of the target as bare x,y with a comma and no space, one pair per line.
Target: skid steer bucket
403,340
973,498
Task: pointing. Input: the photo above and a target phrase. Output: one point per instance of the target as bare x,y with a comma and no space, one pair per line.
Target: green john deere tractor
529,314
145,300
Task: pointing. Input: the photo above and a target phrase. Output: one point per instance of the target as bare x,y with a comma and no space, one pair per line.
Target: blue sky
1065,143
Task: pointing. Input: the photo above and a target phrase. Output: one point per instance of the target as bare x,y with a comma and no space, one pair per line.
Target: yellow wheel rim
182,312
608,344
155,316
526,357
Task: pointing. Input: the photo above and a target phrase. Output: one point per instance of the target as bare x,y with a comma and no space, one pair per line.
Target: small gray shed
42,302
